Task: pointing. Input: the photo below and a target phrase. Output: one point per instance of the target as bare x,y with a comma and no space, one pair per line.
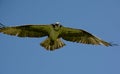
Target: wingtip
1,25
114,44
110,44
107,44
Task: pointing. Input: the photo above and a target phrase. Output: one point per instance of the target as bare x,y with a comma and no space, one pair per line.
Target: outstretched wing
81,36
26,30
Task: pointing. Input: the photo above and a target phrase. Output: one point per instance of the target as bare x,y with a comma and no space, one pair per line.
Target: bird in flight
54,32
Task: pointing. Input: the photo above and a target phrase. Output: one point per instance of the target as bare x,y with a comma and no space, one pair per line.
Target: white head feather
57,22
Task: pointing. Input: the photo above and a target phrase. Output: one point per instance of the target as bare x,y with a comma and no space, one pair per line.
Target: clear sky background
25,56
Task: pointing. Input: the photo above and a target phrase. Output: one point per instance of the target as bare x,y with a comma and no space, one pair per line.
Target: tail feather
50,45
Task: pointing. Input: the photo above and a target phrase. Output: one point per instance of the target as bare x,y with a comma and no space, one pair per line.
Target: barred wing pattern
81,36
27,30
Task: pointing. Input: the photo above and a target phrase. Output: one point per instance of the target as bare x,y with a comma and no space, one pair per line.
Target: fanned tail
50,45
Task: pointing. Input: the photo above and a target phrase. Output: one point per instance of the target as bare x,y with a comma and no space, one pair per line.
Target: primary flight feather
54,33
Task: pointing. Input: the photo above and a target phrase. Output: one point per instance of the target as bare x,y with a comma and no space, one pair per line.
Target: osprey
54,33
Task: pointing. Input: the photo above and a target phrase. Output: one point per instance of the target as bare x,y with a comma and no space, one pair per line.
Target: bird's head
57,26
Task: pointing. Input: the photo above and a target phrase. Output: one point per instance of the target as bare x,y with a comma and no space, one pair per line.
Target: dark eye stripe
53,25
56,25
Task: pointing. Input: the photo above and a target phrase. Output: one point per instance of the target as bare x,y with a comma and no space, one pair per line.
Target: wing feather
81,36
27,30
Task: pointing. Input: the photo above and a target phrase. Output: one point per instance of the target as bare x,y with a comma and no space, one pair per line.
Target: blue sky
25,56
